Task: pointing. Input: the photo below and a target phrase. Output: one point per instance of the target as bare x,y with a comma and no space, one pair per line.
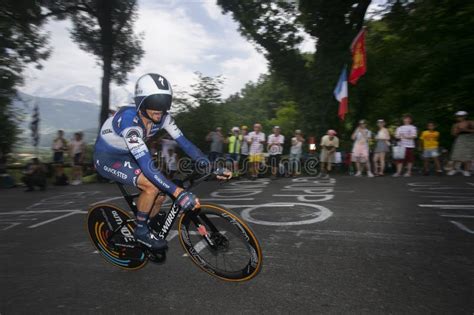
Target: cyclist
121,154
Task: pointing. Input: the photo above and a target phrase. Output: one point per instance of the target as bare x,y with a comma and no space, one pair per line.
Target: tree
105,29
21,43
276,26
202,111
420,62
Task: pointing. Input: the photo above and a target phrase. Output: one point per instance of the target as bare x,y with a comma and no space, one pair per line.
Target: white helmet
153,91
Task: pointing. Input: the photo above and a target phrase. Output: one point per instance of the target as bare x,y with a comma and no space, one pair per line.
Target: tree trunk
105,22
105,90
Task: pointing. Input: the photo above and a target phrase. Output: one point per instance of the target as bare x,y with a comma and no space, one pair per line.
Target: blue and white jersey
125,133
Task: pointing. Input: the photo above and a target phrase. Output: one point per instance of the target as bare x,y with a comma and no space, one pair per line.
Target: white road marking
12,224
106,200
457,216
309,198
466,207
448,198
462,227
298,245
200,245
227,199
321,214
351,235
172,234
42,211
54,219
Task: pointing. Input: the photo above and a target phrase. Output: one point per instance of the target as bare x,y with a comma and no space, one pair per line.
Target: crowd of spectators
253,154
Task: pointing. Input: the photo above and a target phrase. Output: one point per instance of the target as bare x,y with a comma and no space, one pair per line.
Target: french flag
340,93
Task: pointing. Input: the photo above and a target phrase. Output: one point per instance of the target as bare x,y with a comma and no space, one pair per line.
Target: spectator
217,142
235,141
6,181
407,135
429,144
78,150
34,175
244,150
255,139
59,146
166,144
463,149
172,163
360,150
275,149
329,144
382,146
295,152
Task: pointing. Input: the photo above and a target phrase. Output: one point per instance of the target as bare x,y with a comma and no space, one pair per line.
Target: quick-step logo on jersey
161,182
115,172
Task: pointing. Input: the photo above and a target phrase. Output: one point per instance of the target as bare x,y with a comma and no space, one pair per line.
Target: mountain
55,114
119,96
79,93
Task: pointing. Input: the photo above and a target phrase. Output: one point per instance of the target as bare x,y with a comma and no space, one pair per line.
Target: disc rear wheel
111,232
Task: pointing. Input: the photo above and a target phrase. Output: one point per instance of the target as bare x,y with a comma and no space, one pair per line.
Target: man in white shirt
275,149
255,139
407,135
295,152
244,151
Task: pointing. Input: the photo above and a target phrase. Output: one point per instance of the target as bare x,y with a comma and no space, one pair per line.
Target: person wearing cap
406,134
295,152
255,139
275,149
244,150
382,146
463,148
234,141
429,144
360,150
329,144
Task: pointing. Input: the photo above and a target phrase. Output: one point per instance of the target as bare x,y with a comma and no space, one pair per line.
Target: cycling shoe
151,241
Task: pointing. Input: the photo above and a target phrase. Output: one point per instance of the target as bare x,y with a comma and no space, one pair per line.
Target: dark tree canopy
420,61
22,42
276,26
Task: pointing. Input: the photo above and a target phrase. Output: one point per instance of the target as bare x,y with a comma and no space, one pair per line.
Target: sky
180,37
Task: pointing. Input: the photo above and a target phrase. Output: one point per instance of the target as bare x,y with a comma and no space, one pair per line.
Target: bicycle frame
172,214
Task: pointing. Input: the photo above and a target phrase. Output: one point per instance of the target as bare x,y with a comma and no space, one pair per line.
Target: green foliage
420,62
287,118
268,101
198,112
21,43
276,28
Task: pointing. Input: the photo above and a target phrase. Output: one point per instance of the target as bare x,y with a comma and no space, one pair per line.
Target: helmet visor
161,102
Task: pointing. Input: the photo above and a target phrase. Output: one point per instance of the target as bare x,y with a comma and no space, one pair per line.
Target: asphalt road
345,245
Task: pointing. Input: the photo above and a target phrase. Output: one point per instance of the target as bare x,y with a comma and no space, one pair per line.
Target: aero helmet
153,91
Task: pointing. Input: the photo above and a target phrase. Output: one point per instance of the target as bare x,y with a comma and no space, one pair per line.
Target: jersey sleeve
188,147
133,137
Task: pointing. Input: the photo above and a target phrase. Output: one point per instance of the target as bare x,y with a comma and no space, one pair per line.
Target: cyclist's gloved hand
187,201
